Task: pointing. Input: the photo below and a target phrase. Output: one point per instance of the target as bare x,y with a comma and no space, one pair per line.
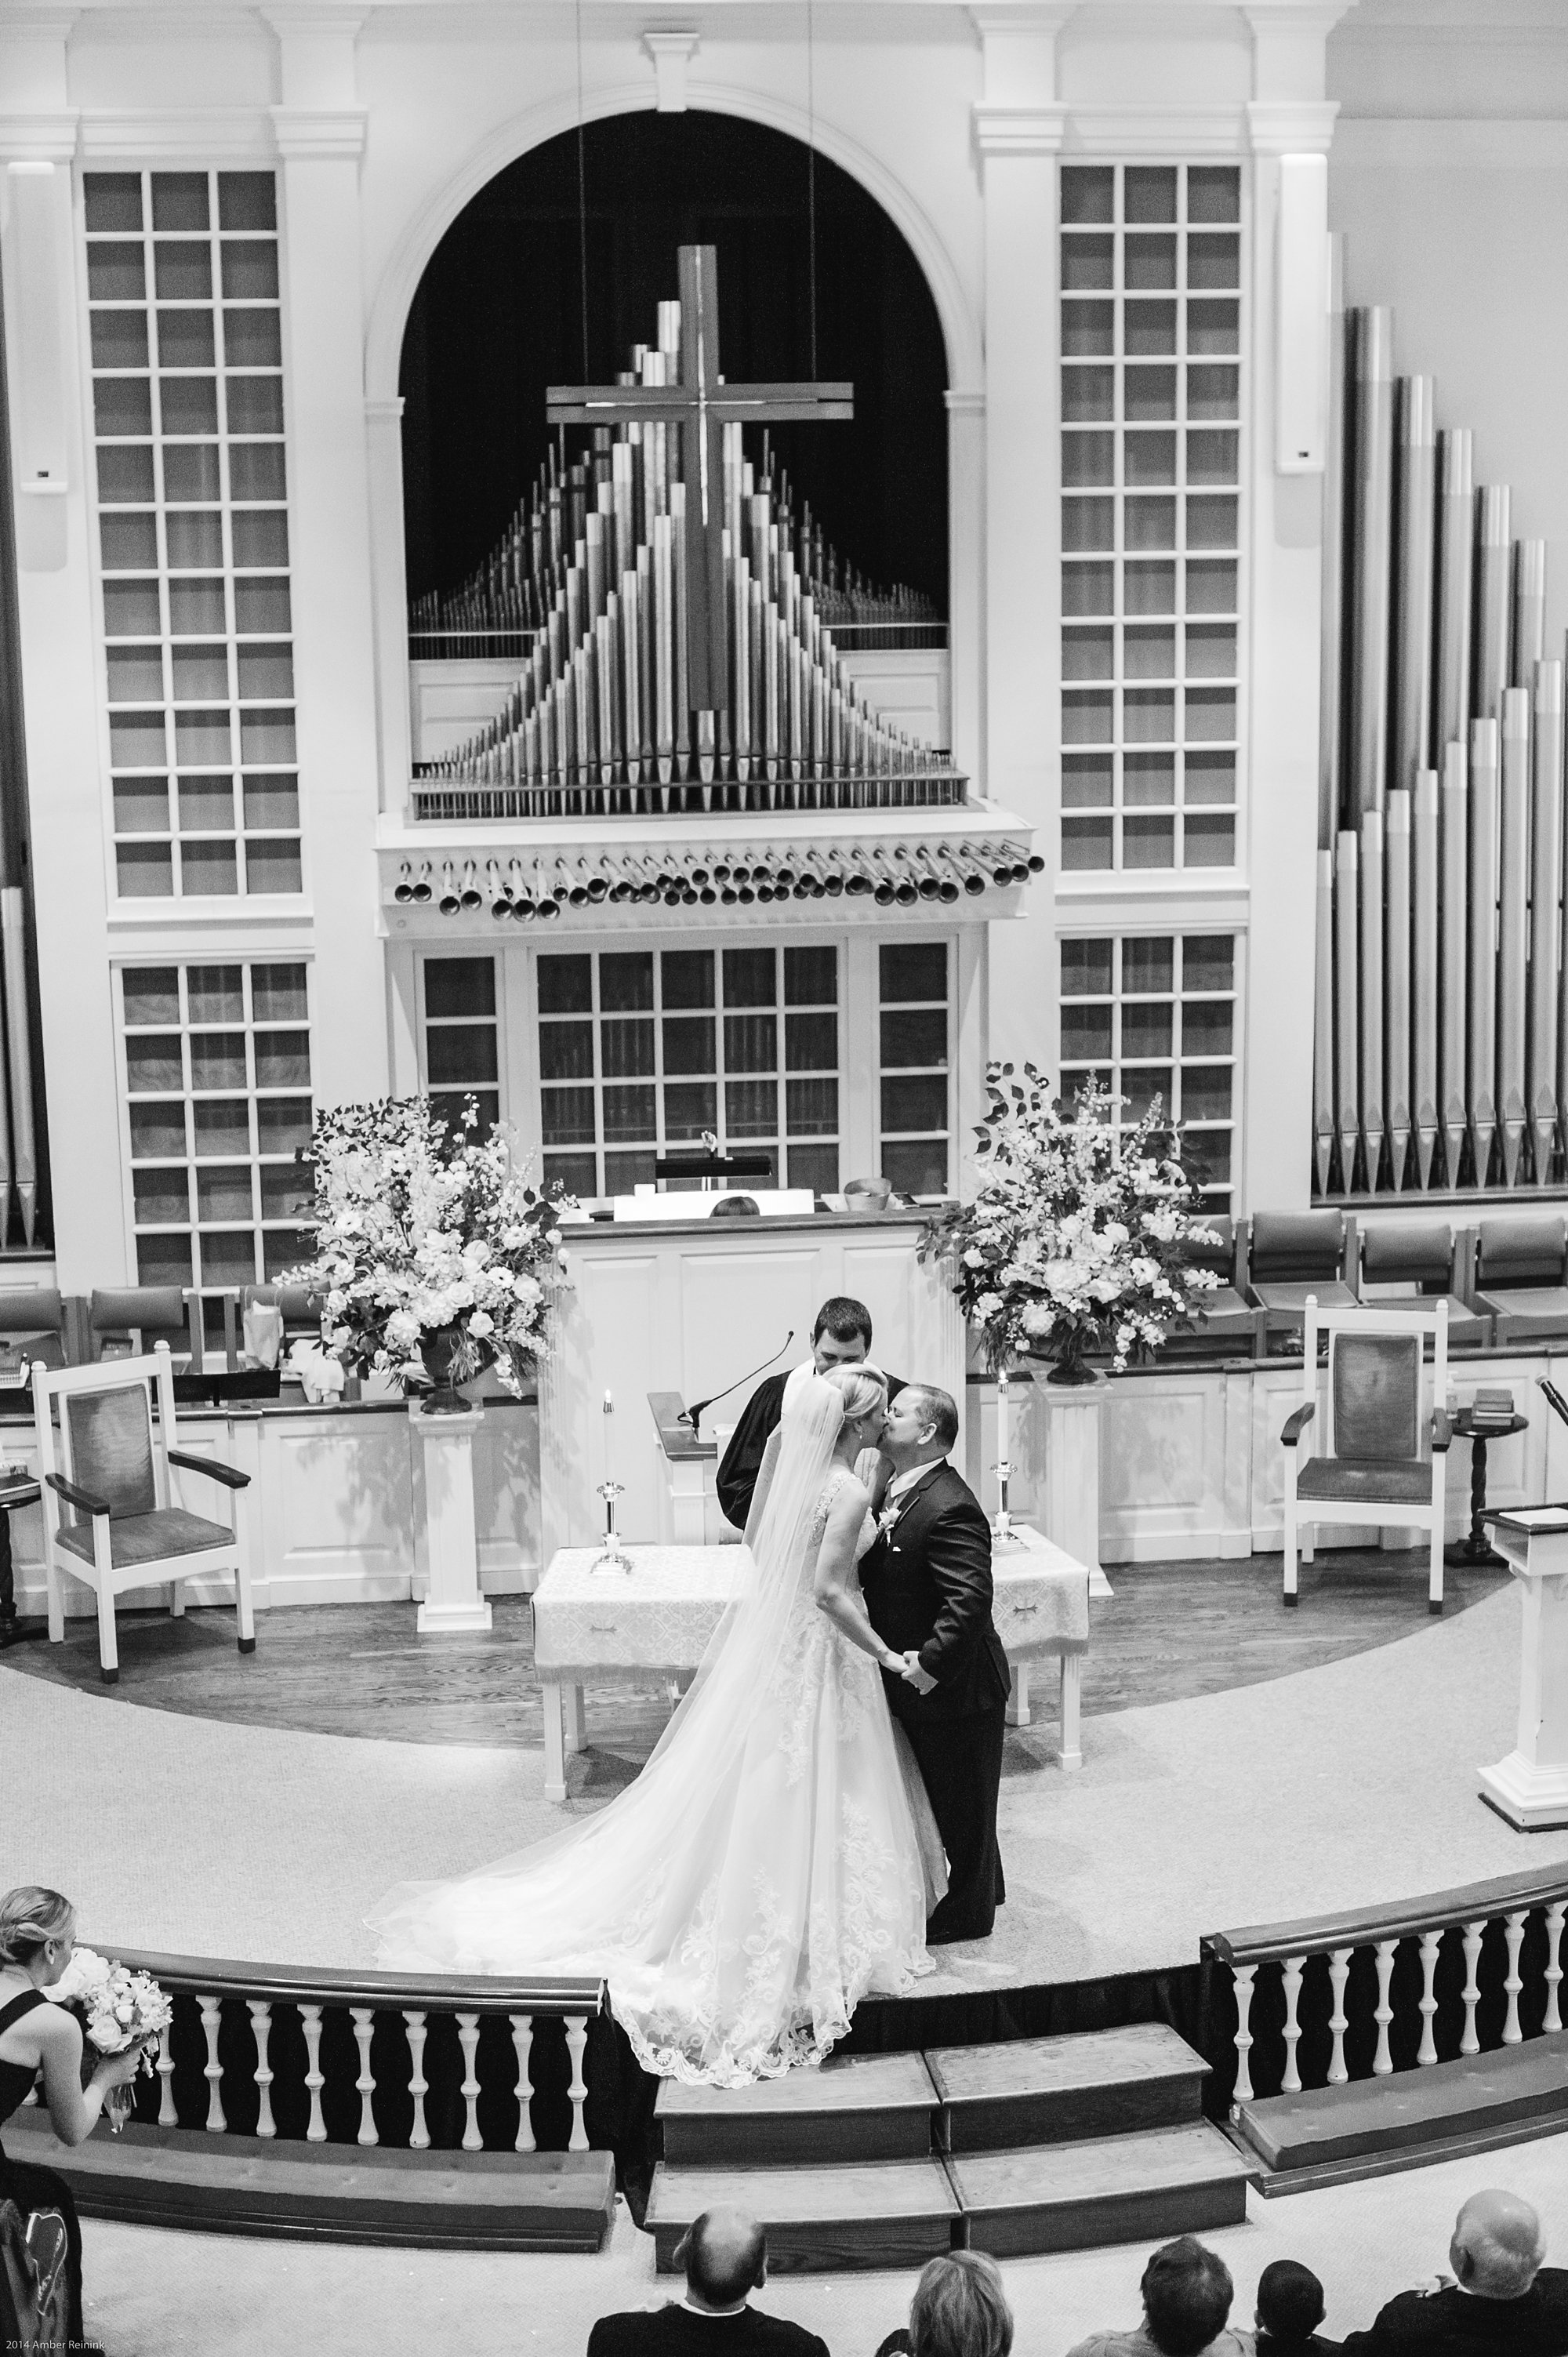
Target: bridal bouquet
1074,1240
433,1251
117,2009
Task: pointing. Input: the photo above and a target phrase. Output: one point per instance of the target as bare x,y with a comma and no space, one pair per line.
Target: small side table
12,1495
1477,1548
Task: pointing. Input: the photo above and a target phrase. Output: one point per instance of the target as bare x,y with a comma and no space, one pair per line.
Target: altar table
657,1621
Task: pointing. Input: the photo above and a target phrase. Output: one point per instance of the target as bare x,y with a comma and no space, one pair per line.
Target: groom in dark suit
927,1585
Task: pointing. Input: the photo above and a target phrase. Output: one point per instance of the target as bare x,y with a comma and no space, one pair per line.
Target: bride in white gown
774,1860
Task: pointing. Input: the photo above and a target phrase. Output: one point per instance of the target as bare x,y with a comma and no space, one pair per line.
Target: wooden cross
702,404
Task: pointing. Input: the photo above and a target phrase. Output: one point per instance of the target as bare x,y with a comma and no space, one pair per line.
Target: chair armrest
1442,1430
212,1465
83,1501
1297,1423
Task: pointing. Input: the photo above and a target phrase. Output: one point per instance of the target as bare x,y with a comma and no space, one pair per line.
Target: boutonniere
887,1517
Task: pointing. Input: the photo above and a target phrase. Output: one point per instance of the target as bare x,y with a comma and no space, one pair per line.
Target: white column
1019,133
320,133
383,432
1283,586
453,1599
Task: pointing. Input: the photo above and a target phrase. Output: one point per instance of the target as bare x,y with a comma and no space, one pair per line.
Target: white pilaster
384,435
966,577
320,133
1018,134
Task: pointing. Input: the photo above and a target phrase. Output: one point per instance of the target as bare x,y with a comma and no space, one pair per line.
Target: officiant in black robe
841,1338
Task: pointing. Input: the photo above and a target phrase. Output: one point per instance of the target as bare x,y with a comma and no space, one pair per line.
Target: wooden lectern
686,1458
1529,1788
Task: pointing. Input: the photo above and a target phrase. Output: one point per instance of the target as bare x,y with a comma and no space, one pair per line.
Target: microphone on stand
692,1415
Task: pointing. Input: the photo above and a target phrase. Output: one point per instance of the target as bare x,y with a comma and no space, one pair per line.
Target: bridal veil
762,1873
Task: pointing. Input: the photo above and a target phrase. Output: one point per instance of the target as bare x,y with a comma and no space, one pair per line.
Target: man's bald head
725,2255
1497,2249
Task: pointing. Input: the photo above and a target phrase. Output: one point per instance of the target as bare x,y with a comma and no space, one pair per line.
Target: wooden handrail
1308,1936
320,1984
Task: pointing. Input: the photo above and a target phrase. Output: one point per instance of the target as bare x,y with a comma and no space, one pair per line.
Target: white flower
481,1322
402,1330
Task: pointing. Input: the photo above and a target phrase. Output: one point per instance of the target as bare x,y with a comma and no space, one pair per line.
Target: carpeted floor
1337,1786
152,2294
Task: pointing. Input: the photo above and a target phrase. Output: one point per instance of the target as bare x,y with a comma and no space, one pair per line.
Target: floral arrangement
1075,1239
117,2009
432,1251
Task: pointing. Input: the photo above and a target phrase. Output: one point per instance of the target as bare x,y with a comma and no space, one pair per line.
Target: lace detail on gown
761,1877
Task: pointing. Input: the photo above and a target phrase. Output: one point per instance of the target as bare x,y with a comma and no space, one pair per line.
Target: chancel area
783,1173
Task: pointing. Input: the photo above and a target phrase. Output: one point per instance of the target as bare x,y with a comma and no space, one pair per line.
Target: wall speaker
38,274
1301,317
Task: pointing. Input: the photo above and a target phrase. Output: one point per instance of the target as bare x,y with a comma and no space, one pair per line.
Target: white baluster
310,2018
1383,2012
1338,1973
1430,1942
576,2044
1245,1975
1554,1915
167,2117
211,2020
364,2030
1513,1940
522,2046
1470,2043
418,2085
261,2015
1291,2083
469,2040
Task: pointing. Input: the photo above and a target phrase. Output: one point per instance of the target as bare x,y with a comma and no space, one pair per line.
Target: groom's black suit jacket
928,1587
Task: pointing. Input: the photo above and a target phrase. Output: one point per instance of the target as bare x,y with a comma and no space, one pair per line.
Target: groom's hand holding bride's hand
914,1675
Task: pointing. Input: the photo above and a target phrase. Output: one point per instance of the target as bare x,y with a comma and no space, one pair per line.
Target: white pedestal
1074,1413
453,1599
1529,1788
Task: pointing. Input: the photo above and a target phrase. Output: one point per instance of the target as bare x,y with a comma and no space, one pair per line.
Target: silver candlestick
1003,1538
612,1557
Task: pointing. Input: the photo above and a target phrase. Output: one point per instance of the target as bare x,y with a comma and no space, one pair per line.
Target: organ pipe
1330,732
1413,580
1513,918
1529,610
1456,909
1494,602
1323,1028
1456,560
1546,917
1372,1067
1396,967
1347,1005
1372,514
1424,969
1483,1026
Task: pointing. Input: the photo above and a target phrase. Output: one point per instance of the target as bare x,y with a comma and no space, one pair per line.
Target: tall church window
461,1038
184,337
1156,1016
916,1064
1151,345
218,1099
643,1050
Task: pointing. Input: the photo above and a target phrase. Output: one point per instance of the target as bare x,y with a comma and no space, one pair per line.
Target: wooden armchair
1376,1453
109,1462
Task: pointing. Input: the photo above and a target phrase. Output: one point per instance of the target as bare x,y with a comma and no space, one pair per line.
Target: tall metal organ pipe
1372,524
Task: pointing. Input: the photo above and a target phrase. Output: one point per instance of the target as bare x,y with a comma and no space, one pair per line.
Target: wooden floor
1170,1631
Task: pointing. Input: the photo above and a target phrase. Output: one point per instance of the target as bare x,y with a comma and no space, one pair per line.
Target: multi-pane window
1156,1016
182,281
462,1050
1151,277
641,1050
913,1054
218,1100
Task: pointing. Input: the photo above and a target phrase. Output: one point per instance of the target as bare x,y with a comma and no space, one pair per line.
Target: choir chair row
40,1324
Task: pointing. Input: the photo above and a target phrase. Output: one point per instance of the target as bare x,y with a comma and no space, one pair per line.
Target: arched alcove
499,316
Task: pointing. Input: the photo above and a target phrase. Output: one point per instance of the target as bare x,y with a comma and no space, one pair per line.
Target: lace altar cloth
661,1616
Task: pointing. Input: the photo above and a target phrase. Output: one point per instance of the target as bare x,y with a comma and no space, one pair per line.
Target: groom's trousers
960,1760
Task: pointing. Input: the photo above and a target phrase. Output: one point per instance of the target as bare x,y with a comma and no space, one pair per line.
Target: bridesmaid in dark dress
37,1931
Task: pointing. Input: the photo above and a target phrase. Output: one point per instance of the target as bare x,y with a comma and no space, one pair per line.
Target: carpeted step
1471,2097
881,2108
869,2215
1044,2090
335,2192
1069,2196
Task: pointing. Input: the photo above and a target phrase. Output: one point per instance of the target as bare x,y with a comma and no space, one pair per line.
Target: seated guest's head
864,1391
922,1423
841,1335
1186,2296
37,1928
1497,2249
959,2308
1290,2302
724,2254
737,1207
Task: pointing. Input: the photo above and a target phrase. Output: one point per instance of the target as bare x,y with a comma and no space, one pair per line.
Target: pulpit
1529,1787
682,1307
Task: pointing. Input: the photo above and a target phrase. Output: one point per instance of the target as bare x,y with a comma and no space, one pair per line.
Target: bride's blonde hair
864,1388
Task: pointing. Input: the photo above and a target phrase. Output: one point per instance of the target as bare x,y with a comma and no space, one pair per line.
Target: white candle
1002,1425
610,1413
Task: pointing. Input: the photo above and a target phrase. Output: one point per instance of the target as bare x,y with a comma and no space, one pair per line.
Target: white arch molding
410,257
